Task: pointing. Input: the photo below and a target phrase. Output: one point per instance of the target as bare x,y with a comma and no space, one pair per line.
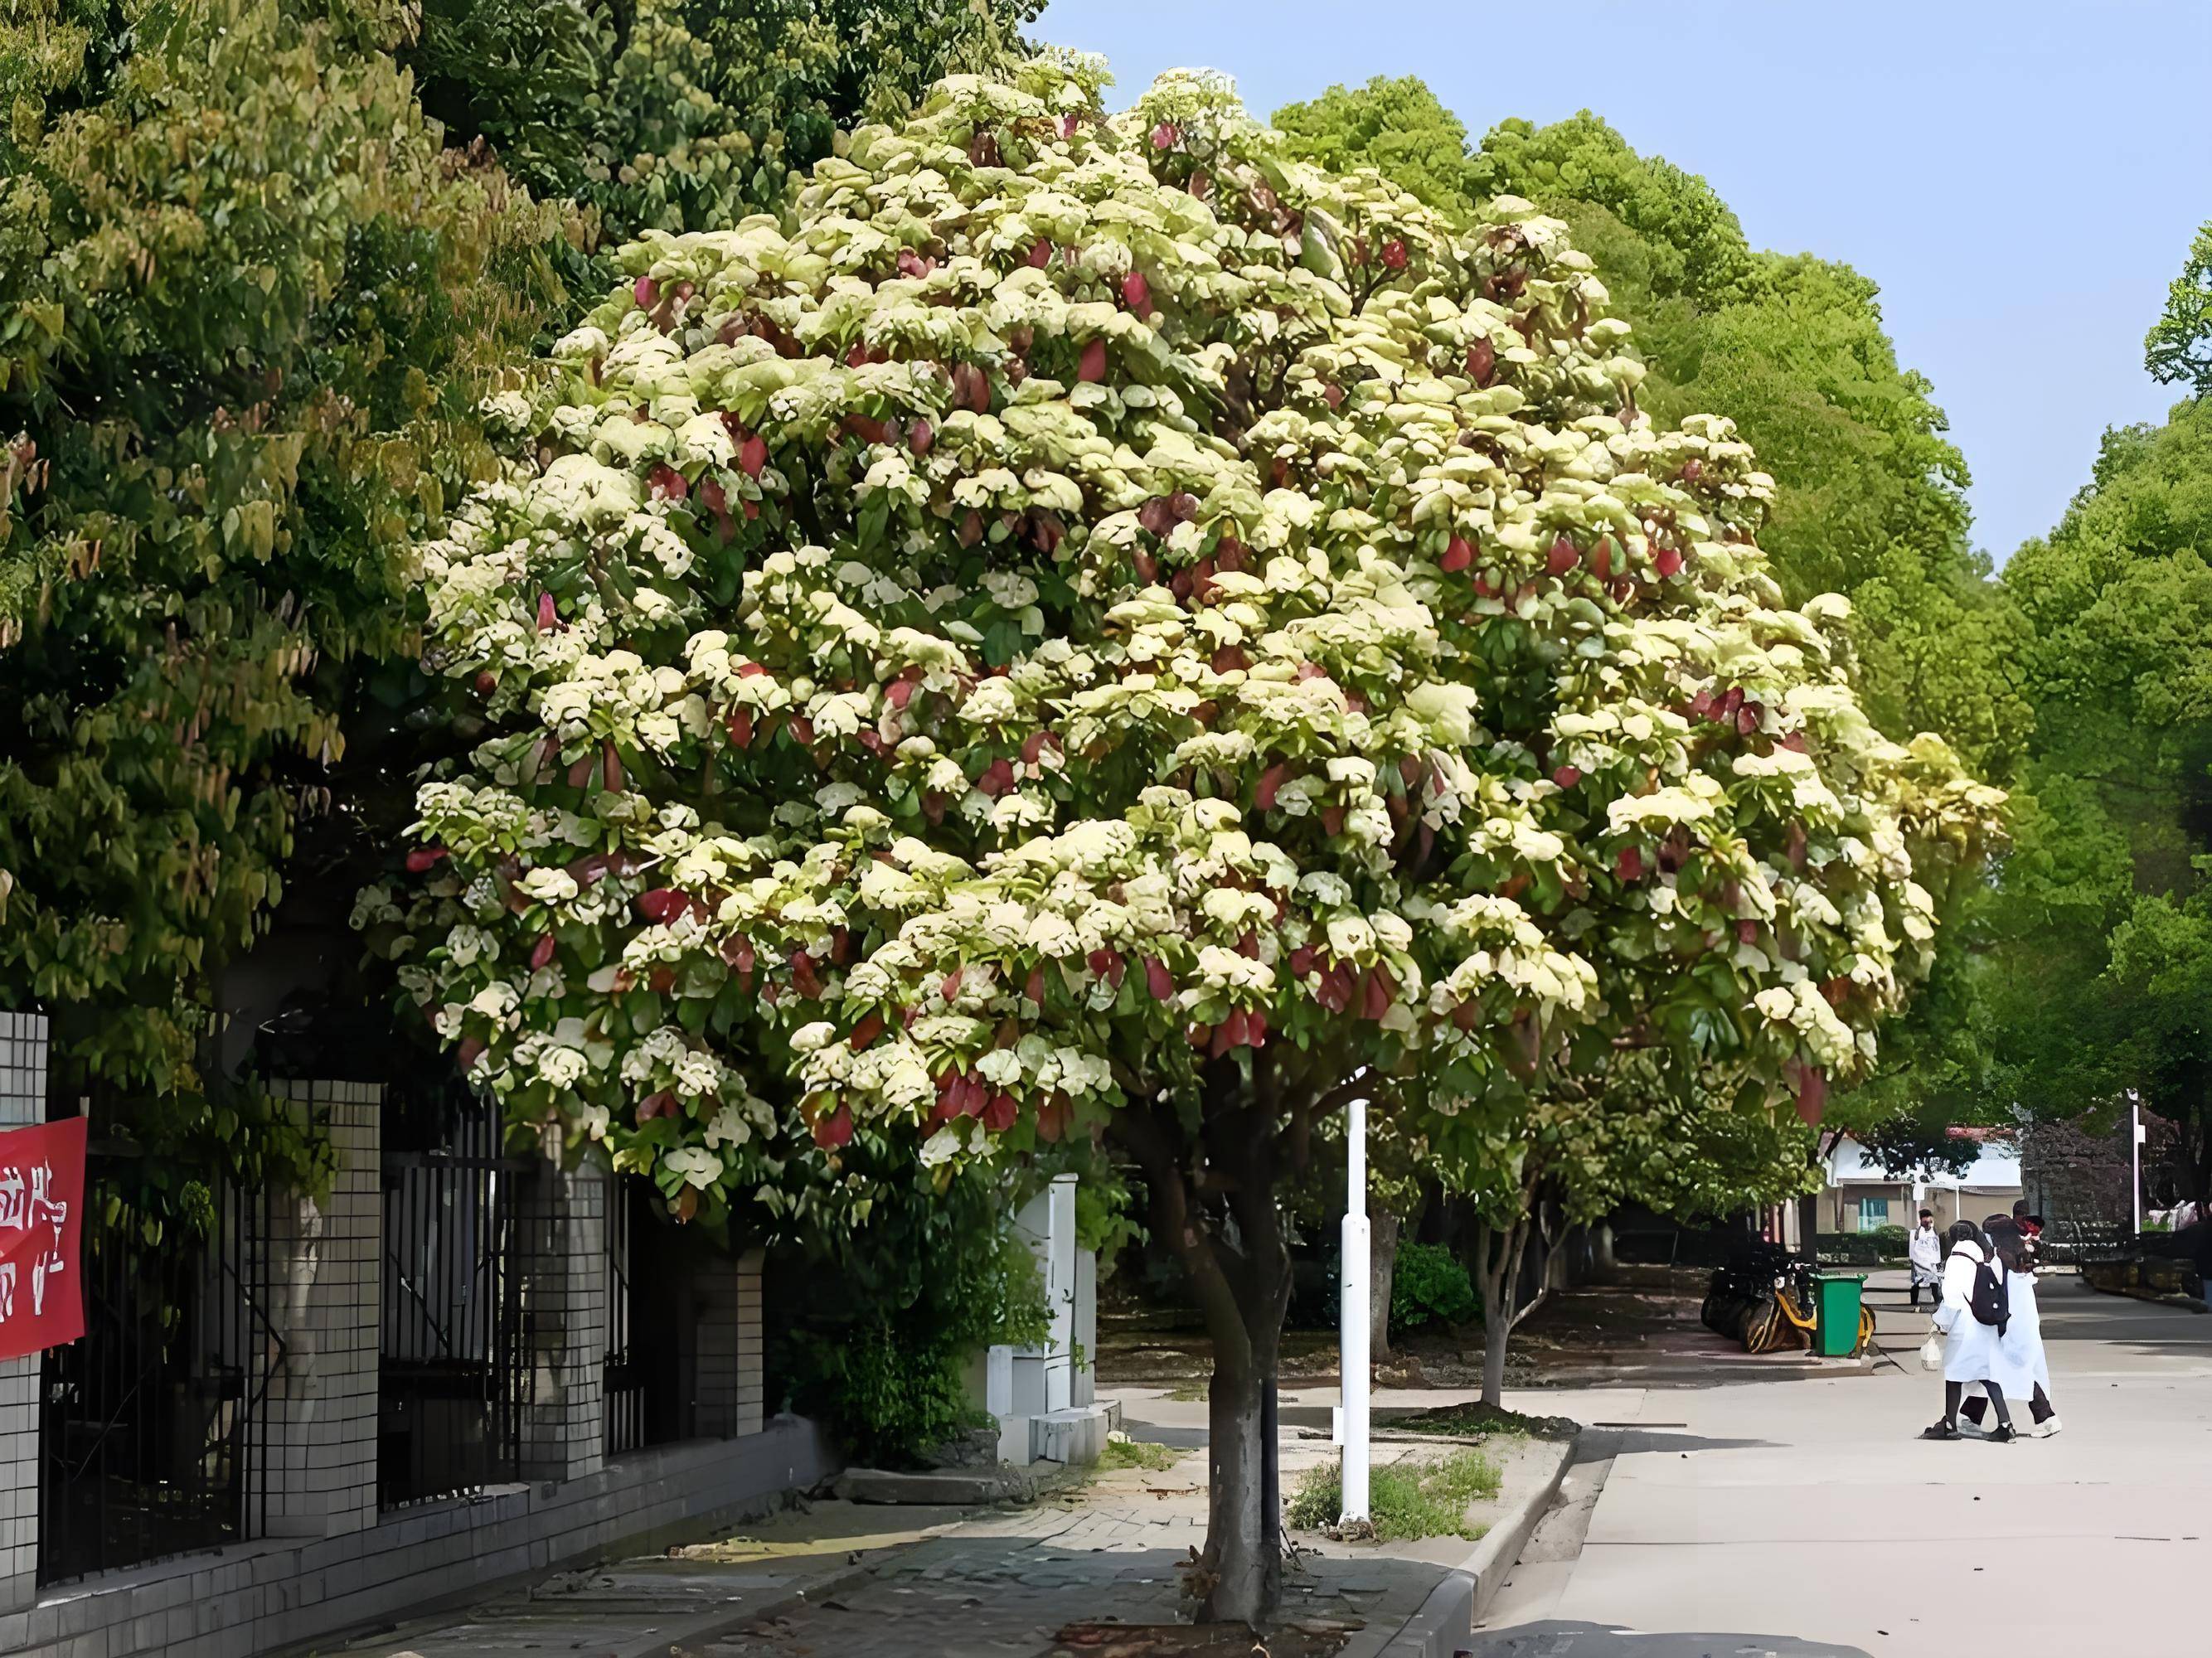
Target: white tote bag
1931,1351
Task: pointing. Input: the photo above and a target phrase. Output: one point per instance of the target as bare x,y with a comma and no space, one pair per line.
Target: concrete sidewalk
840,1580
1806,1515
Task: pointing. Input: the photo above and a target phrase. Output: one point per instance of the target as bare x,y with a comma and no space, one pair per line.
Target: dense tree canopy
686,114
2179,345
1868,498
259,261
2105,911
1095,626
247,307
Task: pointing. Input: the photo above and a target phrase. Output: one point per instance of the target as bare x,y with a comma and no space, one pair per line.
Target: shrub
1429,1286
1864,1249
899,1308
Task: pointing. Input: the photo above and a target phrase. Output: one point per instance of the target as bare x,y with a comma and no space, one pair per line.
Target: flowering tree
1090,627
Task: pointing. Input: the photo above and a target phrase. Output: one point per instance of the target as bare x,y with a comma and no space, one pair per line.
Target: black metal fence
623,1388
148,1427
453,1353
2074,1243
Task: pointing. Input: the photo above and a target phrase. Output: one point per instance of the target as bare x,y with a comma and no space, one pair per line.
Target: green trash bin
1838,1334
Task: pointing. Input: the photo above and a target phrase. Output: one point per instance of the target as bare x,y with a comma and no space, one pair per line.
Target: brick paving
840,1580
1006,1583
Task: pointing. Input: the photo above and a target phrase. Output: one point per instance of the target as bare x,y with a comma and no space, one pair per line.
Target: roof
1996,1167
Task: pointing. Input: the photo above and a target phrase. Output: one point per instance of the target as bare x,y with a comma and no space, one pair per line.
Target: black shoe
2004,1435
1946,1429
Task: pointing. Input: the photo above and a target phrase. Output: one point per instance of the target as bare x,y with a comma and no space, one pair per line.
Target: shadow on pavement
1556,1639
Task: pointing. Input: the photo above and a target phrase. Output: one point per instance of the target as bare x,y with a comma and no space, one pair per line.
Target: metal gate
453,1353
148,1428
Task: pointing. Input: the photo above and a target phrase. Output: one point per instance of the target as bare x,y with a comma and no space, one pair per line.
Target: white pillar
1352,1298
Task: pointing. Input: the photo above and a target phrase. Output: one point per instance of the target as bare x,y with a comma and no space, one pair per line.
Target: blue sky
2021,179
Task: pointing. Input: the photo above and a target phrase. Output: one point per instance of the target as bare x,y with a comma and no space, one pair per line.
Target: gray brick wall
565,1306
22,1103
731,1394
317,1434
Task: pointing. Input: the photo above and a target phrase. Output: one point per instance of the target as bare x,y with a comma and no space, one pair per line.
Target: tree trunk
1244,1553
1498,1274
1382,1272
1233,1249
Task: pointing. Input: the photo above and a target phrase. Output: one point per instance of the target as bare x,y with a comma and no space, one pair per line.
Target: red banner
41,1211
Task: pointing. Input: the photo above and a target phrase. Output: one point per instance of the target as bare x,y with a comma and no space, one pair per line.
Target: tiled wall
327,1560
320,1417
283,1594
565,1241
22,1103
731,1384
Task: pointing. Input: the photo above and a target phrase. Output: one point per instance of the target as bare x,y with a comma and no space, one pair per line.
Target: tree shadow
1557,1638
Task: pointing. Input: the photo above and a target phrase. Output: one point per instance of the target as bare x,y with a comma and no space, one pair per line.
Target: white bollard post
2135,1157
1352,1297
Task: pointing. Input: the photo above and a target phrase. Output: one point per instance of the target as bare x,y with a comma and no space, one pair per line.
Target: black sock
1997,1404
1952,1390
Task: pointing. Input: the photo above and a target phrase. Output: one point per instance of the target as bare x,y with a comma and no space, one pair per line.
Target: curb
1445,1627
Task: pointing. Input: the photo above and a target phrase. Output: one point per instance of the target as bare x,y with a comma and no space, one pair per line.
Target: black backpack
1989,1302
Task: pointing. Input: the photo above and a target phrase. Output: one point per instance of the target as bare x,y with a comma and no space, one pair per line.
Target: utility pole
1352,1293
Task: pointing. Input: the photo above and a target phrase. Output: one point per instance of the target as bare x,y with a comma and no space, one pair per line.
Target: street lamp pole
1352,1298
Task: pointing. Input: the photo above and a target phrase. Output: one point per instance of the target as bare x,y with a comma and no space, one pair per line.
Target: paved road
1802,1518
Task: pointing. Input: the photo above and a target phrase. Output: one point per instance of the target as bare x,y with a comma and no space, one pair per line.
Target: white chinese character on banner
15,1213
7,1290
46,1211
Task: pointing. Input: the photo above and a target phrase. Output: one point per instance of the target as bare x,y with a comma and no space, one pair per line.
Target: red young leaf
1092,366
1459,553
1157,980
424,858
541,952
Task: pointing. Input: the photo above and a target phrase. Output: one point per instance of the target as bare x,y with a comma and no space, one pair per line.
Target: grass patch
1408,1499
1476,1420
1191,1392
1123,1452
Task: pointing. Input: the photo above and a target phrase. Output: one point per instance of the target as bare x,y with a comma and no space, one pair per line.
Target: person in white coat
1970,1347
2023,1371
1926,1251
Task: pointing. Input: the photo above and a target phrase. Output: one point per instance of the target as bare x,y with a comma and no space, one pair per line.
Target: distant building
1862,1195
